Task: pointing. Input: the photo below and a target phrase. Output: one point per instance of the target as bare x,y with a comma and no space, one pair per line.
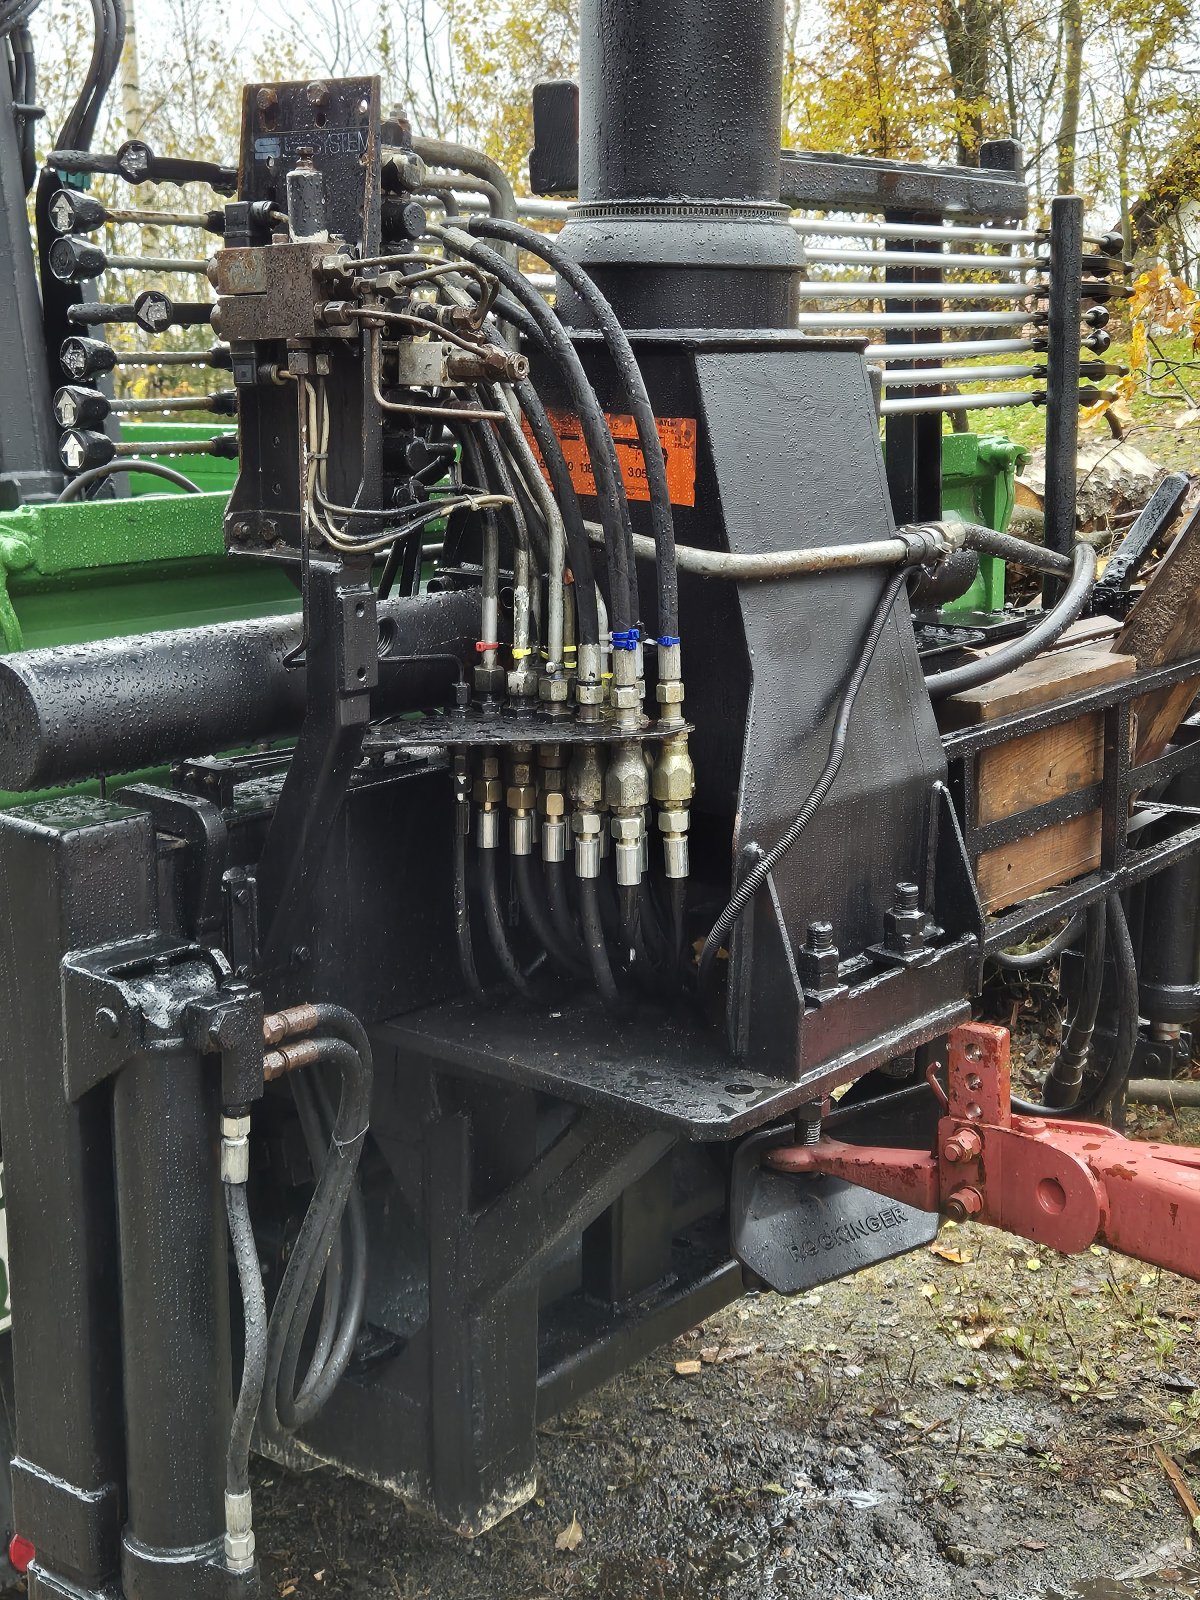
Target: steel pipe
868,289
908,319
963,402
924,258
904,377
119,705
939,352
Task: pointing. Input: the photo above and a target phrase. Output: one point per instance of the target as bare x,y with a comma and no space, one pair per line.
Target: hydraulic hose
1031,960
1065,1077
1019,551
493,917
630,375
1055,623
462,918
1125,1036
342,1042
766,864
254,1322
541,923
561,916
97,474
596,947
610,491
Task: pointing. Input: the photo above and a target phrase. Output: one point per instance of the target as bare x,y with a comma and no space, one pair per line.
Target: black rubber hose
561,916
766,864
1125,1037
1065,1078
1031,960
493,916
1014,654
96,474
254,1322
283,1408
462,918
529,892
596,947
578,550
630,375
610,490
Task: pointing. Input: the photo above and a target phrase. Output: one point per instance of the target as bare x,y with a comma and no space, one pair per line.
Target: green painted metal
979,485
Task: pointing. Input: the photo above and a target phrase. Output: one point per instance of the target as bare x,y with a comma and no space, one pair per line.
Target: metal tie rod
939,352
917,320
966,402
867,289
851,229
902,377
925,258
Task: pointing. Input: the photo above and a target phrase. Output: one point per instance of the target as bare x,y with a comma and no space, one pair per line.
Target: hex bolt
963,1203
819,937
107,1022
909,896
963,1146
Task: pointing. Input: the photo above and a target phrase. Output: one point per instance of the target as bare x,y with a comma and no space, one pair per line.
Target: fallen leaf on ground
687,1369
571,1537
949,1253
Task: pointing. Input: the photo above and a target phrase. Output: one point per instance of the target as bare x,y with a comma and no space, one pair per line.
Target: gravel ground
981,1418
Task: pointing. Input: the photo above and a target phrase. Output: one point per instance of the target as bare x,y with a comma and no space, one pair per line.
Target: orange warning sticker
677,436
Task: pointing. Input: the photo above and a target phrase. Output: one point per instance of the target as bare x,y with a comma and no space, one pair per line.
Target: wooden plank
1046,678
1038,767
1164,626
1054,855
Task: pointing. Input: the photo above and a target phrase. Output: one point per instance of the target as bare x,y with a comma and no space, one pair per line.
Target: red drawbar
20,1552
1060,1183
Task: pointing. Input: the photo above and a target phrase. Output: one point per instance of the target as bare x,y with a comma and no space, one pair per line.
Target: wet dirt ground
981,1418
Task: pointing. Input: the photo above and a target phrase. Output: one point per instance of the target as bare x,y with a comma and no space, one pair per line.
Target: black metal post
174,1323
84,874
1062,380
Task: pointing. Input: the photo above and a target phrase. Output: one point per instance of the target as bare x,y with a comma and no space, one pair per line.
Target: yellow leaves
947,1252
571,1537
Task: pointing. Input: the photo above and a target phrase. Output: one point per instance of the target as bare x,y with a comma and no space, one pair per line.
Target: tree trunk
1068,123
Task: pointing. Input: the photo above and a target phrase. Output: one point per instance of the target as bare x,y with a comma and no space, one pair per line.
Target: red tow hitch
1059,1183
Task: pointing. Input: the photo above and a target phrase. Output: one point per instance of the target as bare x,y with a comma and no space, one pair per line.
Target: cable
630,374
1031,960
766,864
1055,623
156,469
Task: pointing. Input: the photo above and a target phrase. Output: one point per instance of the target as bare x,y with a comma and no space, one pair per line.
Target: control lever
72,211
1112,594
82,358
79,407
152,310
79,449
75,260
136,162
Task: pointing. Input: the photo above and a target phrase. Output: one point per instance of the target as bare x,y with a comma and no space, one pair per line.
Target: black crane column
679,121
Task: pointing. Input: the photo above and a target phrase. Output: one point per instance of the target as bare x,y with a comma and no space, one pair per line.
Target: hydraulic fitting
552,803
239,1532
590,689
520,798
488,796
585,787
673,782
627,790
235,1148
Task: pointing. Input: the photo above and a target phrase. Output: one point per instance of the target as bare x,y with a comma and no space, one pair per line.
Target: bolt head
107,1022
